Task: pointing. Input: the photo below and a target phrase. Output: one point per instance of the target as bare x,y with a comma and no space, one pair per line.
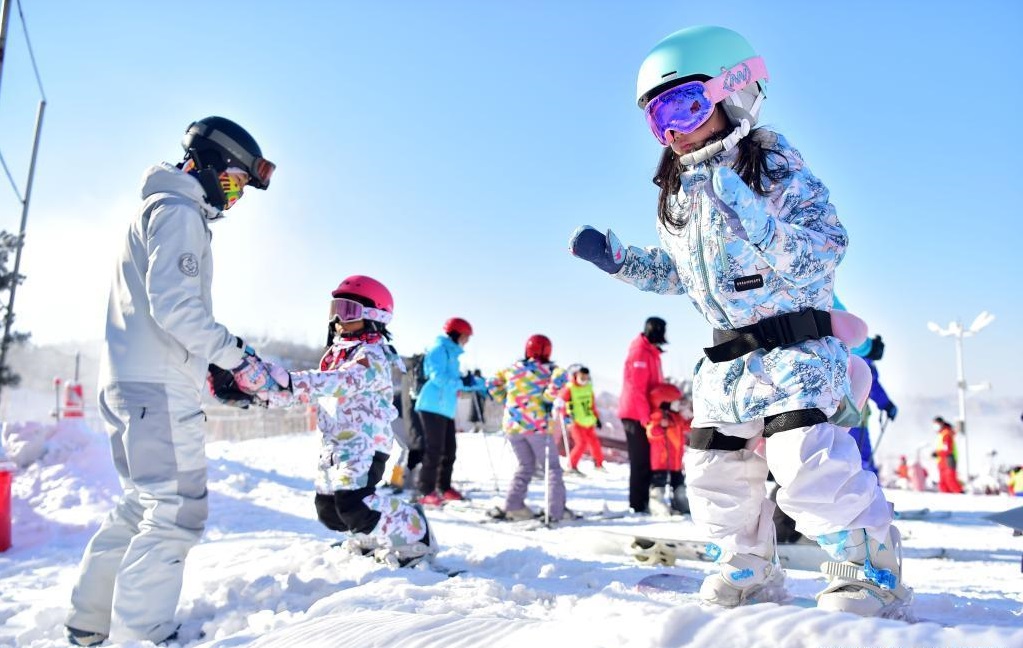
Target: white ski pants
822,486
132,569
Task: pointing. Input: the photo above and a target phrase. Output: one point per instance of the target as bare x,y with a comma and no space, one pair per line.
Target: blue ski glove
734,196
891,411
605,252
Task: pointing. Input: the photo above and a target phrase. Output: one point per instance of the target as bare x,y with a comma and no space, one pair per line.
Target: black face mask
209,179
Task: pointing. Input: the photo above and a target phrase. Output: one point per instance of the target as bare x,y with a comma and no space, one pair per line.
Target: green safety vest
581,405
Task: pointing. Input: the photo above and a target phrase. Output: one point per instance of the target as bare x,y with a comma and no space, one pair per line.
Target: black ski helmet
218,143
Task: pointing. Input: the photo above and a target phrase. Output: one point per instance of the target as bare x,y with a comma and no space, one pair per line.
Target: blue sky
450,148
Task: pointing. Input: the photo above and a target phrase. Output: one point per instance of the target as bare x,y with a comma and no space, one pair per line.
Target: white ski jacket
160,325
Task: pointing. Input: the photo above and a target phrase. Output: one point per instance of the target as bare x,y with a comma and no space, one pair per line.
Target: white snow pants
132,569
822,486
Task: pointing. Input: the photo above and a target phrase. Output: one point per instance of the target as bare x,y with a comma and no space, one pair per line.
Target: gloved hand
279,398
604,251
732,195
223,387
255,374
891,411
934,454
598,425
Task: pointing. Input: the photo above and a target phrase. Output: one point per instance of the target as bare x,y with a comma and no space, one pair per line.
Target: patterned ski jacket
797,243
362,393
444,379
527,389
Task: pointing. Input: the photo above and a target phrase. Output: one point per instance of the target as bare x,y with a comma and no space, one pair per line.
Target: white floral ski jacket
361,388
739,268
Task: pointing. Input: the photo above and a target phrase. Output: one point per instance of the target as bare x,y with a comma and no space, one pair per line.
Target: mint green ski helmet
701,53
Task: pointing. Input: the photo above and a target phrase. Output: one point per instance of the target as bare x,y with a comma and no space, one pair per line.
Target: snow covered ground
266,575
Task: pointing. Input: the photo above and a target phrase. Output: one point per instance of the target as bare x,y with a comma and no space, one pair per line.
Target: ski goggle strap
686,107
347,310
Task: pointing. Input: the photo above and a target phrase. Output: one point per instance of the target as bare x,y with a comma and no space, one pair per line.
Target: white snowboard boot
869,580
742,577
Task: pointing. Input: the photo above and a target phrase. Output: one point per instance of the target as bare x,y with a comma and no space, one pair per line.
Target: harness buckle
790,328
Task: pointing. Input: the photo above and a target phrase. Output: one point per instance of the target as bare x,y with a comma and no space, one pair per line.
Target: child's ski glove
732,195
255,374
605,252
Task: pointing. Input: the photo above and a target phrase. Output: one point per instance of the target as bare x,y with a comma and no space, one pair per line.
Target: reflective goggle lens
262,170
347,310
683,108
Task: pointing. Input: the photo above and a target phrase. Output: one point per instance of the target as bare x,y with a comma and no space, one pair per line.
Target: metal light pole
955,329
5,14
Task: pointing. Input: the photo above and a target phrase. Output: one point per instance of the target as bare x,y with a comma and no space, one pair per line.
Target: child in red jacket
667,432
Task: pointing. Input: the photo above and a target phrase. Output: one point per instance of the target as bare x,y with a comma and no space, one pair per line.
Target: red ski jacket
642,371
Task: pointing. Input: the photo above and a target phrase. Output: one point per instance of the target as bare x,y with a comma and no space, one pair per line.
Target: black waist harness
769,333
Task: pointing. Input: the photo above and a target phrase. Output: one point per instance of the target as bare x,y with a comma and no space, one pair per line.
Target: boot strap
854,574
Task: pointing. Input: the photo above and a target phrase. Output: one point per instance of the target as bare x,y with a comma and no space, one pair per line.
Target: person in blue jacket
436,406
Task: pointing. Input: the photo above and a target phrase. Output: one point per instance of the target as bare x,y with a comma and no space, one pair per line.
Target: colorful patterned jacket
797,243
527,389
361,391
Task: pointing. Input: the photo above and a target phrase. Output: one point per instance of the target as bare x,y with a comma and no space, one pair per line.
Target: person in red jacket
666,433
945,453
642,372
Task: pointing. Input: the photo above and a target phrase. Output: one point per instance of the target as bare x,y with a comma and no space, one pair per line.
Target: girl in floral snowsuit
357,438
748,234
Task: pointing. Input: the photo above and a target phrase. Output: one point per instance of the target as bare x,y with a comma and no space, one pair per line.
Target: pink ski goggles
347,310
686,107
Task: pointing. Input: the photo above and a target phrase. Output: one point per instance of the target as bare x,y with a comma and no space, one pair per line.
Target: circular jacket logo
188,264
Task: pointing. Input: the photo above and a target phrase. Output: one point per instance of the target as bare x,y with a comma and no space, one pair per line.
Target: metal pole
547,482
962,402
5,12
5,343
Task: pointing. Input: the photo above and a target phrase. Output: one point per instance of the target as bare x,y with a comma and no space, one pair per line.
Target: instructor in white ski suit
161,338
760,268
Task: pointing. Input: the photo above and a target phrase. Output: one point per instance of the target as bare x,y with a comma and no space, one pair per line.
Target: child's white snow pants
132,569
822,486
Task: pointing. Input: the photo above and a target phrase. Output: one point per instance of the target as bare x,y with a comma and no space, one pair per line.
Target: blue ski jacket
443,378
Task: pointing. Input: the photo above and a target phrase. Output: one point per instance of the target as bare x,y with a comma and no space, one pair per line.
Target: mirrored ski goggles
347,310
686,107
261,170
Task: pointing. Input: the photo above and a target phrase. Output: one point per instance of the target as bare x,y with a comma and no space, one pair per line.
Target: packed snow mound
65,476
266,574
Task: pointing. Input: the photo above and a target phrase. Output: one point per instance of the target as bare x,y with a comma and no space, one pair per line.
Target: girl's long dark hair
751,164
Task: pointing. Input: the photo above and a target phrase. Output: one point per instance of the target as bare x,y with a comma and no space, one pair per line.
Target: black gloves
223,387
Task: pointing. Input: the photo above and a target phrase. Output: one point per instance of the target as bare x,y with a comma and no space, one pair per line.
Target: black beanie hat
654,330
